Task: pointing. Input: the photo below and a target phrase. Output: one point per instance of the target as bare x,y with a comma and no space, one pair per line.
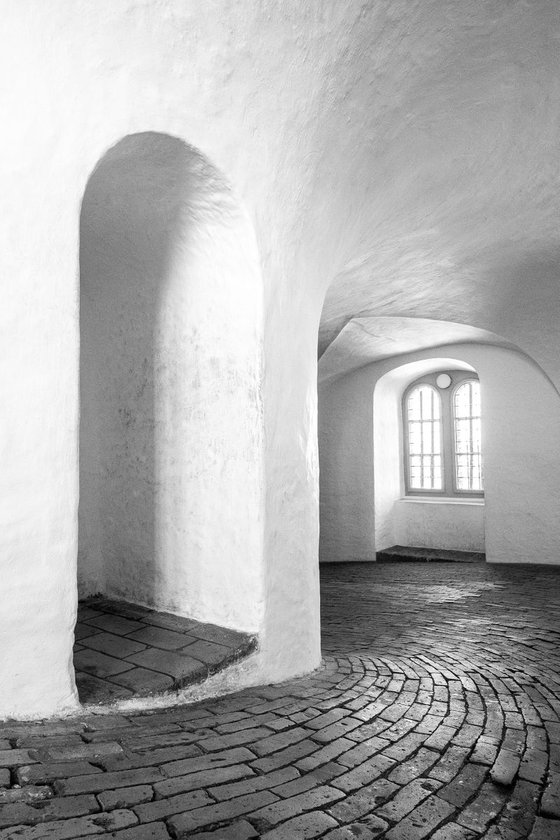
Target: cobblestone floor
436,715
123,651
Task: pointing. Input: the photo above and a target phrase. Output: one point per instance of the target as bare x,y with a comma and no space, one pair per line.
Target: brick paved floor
123,651
436,715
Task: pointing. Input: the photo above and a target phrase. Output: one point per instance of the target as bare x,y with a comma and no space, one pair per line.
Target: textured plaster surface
403,154
521,413
459,169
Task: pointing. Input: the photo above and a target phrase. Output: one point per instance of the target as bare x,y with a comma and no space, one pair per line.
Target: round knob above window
443,380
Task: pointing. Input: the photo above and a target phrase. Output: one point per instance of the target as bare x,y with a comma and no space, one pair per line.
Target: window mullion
448,450
471,437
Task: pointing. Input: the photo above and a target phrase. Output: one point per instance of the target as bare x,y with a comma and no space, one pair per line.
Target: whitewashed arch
171,356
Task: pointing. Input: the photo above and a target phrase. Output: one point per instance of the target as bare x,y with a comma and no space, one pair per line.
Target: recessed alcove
124,651
436,520
170,515
364,508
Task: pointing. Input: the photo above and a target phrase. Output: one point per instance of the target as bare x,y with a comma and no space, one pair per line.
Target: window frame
448,455
409,490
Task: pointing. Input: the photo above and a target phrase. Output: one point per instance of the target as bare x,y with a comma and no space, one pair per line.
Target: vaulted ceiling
453,160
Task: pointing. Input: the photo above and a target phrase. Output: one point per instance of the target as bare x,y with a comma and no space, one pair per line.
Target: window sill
444,500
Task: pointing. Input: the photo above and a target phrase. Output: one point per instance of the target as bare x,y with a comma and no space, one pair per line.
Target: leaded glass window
443,435
467,436
424,438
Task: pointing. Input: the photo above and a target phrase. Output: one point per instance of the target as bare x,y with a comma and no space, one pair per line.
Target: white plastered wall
369,142
347,516
84,76
429,523
413,521
520,422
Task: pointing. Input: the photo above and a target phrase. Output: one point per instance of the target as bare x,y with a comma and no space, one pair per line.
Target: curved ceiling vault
448,191
366,340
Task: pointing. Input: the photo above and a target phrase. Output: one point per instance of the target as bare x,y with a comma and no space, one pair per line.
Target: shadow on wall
169,319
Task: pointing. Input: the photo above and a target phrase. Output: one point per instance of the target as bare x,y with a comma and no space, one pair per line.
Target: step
412,554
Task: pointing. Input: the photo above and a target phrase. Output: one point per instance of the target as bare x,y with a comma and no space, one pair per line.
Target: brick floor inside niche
123,651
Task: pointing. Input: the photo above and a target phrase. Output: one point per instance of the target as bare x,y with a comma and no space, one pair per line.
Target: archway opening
422,500
170,513
520,412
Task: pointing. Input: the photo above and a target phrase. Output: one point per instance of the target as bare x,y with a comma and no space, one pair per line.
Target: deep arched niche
171,423
521,461
447,523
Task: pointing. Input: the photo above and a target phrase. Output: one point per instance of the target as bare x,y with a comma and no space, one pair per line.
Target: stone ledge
411,554
123,650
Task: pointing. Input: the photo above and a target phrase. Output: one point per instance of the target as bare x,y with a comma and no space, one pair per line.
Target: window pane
436,446
467,437
423,410
427,437
426,403
437,473
476,399
414,412
414,437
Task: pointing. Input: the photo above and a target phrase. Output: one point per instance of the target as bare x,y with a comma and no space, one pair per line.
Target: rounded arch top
165,171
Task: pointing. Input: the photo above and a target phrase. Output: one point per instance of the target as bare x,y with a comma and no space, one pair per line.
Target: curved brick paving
436,715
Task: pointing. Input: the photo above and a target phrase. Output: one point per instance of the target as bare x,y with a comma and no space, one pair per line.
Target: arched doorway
171,426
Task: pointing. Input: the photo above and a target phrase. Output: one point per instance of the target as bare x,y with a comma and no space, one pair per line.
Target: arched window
442,435
467,437
423,407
